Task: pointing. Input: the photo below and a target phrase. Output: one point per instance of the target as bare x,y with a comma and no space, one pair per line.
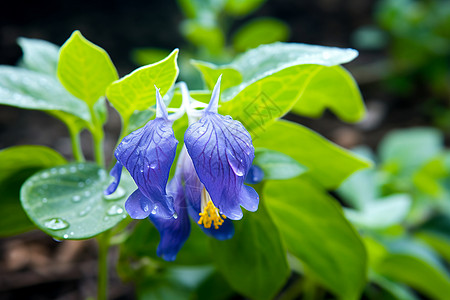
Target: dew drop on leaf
114,210
56,224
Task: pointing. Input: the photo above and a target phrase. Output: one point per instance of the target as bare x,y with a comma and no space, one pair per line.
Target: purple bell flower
208,184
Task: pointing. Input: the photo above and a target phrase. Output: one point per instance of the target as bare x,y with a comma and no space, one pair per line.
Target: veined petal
222,152
148,154
116,173
193,190
175,231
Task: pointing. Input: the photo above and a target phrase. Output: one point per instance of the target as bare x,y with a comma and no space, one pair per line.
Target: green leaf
416,273
85,69
19,163
327,163
408,149
38,55
32,90
242,7
67,202
277,165
136,91
385,212
360,188
333,88
207,35
275,77
253,261
436,233
211,72
314,229
260,31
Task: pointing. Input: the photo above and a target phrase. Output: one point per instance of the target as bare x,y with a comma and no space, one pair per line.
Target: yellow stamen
209,214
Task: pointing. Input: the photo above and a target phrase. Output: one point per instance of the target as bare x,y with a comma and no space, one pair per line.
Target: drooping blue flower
208,184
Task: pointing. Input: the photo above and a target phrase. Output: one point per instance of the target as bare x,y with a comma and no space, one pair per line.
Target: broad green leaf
260,31
275,77
136,91
32,90
242,7
85,69
19,163
416,273
361,187
38,55
277,165
333,88
429,177
211,72
253,261
314,229
327,163
406,150
384,212
67,202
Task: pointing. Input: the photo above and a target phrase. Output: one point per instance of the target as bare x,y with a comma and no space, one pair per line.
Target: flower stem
102,280
76,145
97,136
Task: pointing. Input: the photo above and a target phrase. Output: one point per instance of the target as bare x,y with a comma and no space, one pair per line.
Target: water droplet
228,117
85,211
66,236
201,130
86,193
145,207
88,181
235,164
71,233
72,169
76,198
62,171
119,193
105,218
56,224
80,184
45,175
80,167
175,216
153,164
114,210
155,208
53,171
44,200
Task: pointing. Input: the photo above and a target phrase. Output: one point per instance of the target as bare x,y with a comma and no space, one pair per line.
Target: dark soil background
32,265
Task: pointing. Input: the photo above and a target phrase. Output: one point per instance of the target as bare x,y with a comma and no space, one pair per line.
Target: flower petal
148,154
175,231
222,152
116,173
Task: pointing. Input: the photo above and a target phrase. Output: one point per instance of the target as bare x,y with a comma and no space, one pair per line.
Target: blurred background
403,71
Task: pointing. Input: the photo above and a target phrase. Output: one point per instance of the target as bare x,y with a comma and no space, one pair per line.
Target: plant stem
97,136
76,145
102,280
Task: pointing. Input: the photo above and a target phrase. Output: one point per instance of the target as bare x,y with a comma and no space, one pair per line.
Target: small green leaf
32,90
211,72
416,273
333,88
242,7
207,35
409,149
385,212
85,69
314,230
260,31
67,202
19,163
253,261
38,55
136,91
277,165
327,163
